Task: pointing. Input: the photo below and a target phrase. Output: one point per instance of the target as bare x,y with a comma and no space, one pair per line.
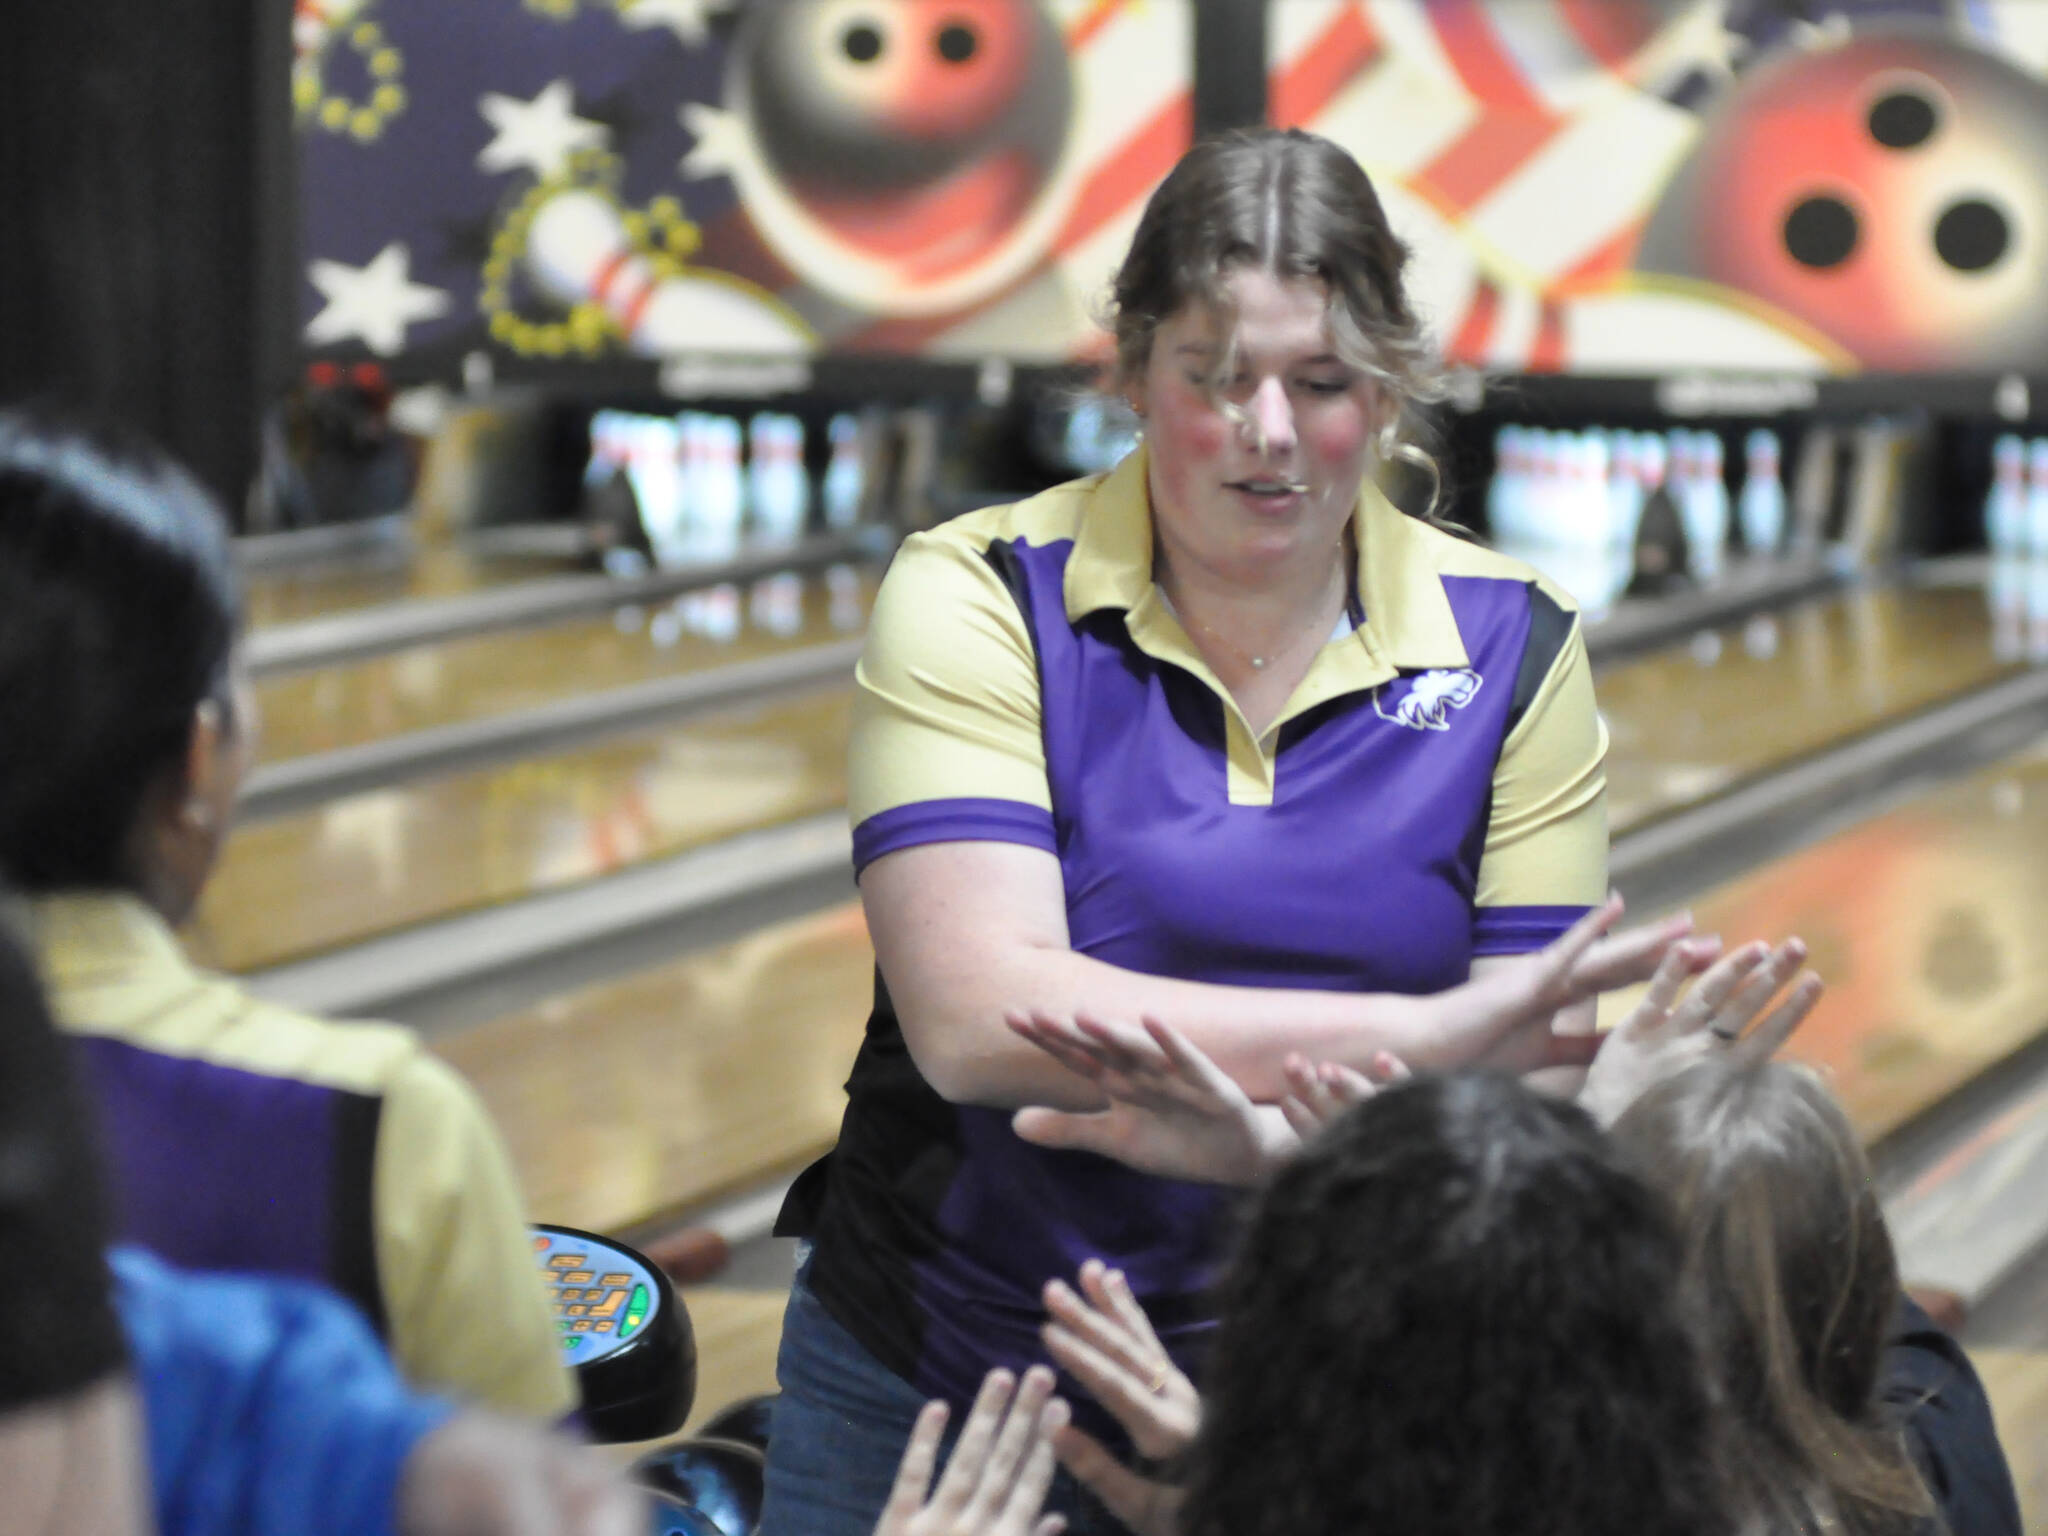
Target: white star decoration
374,303
721,140
685,18
538,135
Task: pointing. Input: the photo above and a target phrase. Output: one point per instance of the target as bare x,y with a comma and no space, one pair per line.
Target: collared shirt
1433,791
243,1136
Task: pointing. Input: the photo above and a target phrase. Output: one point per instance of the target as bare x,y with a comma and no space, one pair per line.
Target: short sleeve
947,745
467,1308
1545,859
270,1405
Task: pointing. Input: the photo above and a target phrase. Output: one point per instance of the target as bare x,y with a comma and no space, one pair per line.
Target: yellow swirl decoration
660,233
364,120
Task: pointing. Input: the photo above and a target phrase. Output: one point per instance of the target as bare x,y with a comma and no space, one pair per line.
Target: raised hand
1102,1338
1662,1036
996,1481
1319,1093
1172,1111
1503,1018
1146,1507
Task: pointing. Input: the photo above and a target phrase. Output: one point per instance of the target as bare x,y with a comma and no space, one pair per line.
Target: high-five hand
1172,1111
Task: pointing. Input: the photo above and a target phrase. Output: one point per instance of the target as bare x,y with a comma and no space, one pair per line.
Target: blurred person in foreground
136,1398
237,1133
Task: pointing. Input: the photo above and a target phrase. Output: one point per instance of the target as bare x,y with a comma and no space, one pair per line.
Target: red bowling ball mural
577,179
1628,186
1605,186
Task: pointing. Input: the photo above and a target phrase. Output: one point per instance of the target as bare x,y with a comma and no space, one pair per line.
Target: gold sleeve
947,744
467,1309
1545,858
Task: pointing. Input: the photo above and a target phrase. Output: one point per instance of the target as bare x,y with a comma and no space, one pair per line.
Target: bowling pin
578,251
2037,497
1703,502
655,473
724,503
1762,508
1622,489
1509,471
778,489
845,480
2005,508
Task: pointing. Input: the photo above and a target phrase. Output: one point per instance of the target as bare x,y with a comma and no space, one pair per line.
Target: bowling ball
746,1421
721,1478
1891,192
672,1517
894,94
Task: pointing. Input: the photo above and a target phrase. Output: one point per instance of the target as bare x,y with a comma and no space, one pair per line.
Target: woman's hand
1662,1036
1172,1111
995,1483
1102,1338
1503,1019
1319,1093
1148,1508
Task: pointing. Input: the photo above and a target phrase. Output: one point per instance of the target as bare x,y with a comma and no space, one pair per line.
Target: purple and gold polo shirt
1433,792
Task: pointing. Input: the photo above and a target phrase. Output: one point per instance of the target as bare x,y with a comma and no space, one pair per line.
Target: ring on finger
1157,1385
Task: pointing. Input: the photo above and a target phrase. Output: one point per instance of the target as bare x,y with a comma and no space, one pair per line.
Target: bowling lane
1686,725
1925,923
1694,720
290,593
1921,919
678,1085
510,670
373,862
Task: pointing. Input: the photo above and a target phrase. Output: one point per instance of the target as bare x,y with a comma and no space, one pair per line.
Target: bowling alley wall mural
563,181
1634,186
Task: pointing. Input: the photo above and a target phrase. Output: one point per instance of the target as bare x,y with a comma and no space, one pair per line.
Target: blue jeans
840,1427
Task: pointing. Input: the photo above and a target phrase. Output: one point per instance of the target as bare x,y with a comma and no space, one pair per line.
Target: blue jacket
272,1408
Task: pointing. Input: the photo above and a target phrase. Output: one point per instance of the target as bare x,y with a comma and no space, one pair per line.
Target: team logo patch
1430,698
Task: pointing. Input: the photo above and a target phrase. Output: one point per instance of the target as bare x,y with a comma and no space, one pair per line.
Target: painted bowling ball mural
904,156
1890,192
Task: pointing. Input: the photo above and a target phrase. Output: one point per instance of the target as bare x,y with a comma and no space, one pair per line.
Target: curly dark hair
1456,1313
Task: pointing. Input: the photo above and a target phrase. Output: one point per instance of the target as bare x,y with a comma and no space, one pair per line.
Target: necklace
1257,663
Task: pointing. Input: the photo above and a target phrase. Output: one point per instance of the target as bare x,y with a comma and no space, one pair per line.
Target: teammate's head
1790,1268
1456,1312
119,613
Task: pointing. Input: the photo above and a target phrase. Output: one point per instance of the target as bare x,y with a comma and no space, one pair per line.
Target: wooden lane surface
1922,920
1691,721
500,673
288,594
674,1087
370,863
1925,923
668,1089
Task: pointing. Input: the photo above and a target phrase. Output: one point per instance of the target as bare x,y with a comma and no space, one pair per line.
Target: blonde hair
1791,1274
1296,205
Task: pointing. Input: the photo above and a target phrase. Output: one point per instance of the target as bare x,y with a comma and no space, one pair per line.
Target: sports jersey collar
1408,626
114,946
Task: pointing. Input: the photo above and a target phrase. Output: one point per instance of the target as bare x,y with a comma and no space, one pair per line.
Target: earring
196,814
